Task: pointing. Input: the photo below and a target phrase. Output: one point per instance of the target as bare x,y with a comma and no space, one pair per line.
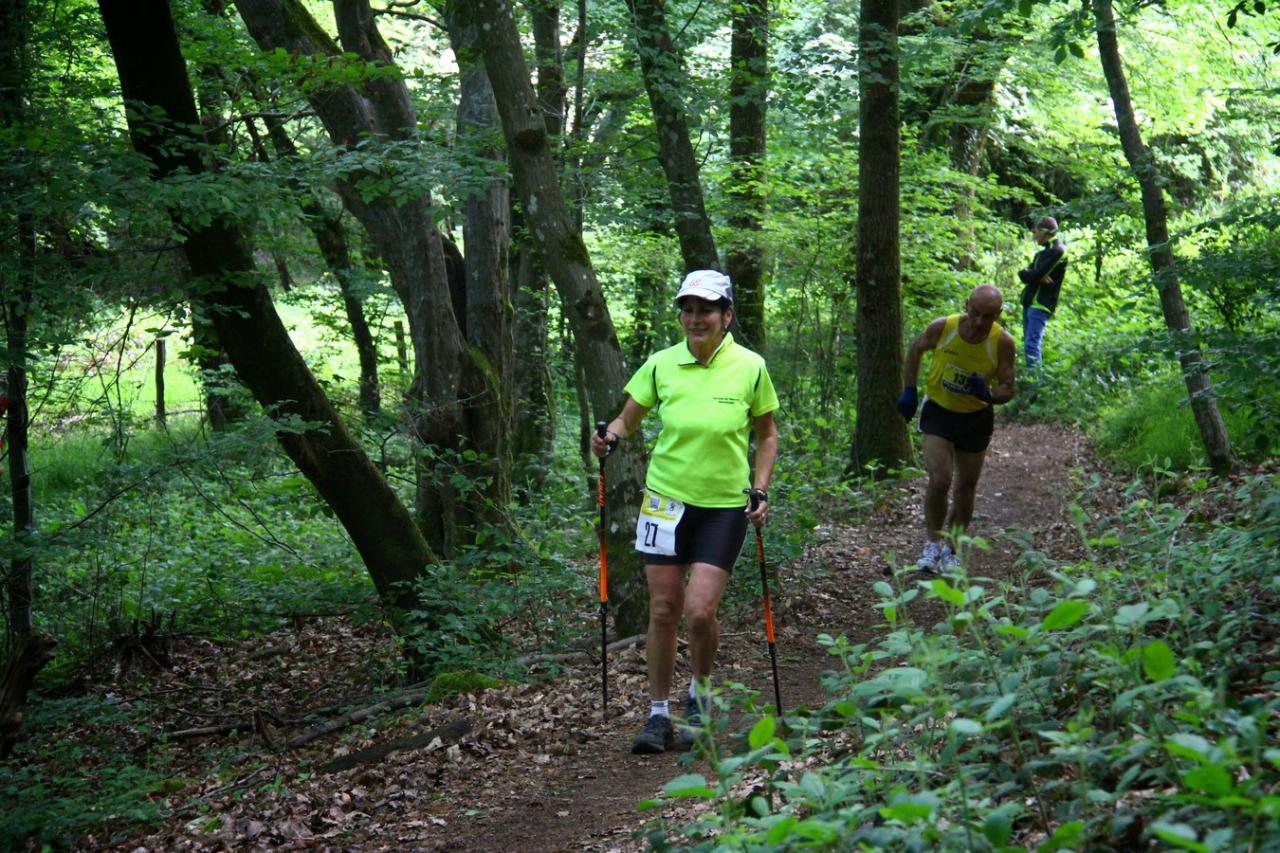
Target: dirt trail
541,771
588,803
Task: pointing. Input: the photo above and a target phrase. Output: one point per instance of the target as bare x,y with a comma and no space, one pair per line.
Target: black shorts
968,431
706,535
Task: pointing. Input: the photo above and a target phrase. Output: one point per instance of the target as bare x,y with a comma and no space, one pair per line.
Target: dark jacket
1051,260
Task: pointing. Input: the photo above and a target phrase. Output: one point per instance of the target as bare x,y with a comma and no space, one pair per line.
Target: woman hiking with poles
712,395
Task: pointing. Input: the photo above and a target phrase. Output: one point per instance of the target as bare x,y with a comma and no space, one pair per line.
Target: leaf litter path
541,771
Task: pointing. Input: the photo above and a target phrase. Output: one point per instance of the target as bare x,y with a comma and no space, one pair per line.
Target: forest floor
533,766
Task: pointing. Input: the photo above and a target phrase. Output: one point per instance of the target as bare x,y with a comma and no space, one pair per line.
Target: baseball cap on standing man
1048,225
711,285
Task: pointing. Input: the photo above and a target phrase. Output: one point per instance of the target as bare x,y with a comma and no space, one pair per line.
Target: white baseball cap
711,285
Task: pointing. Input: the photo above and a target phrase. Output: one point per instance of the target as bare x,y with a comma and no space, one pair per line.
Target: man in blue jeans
1042,282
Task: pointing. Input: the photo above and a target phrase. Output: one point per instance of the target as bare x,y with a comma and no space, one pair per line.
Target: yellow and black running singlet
955,360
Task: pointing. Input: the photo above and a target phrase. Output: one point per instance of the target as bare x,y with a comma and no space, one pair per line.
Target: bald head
987,298
981,310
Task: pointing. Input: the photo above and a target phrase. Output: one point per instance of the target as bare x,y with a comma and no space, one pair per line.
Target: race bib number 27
656,524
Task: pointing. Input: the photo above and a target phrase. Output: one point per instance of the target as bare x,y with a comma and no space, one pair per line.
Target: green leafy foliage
1083,708
56,800
219,534
1154,425
1121,699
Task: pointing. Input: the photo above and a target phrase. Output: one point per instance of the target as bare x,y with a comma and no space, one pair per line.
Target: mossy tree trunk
565,257
454,399
486,230
533,421
660,67
1195,372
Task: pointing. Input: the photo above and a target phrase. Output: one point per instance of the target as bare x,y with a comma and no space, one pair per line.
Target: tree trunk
486,231
27,656
226,402
533,427
748,96
447,373
331,239
969,119
566,259
957,112
17,307
230,292
222,403
660,67
880,436
646,314
160,359
549,59
28,651
402,350
1204,406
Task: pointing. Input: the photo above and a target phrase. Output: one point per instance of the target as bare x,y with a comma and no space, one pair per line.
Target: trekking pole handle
602,431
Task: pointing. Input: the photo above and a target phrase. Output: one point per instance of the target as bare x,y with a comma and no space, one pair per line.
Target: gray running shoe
655,737
695,717
930,557
949,562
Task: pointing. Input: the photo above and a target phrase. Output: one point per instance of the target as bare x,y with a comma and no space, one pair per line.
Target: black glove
977,387
907,402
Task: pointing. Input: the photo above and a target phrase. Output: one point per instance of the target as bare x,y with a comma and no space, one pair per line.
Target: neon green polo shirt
706,412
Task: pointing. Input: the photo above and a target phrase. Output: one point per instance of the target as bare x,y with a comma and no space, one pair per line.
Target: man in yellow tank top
971,369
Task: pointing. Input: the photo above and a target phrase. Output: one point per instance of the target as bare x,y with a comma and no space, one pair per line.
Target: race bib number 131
656,524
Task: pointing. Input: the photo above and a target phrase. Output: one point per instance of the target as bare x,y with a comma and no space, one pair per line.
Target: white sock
661,709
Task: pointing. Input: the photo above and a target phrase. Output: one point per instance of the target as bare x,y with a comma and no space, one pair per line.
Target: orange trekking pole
754,496
604,586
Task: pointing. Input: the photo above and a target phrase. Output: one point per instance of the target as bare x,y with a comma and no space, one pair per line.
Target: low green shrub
1124,701
59,787
214,534
1154,424
1151,424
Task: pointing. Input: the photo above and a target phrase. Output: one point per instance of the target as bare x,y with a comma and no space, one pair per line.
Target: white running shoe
930,557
